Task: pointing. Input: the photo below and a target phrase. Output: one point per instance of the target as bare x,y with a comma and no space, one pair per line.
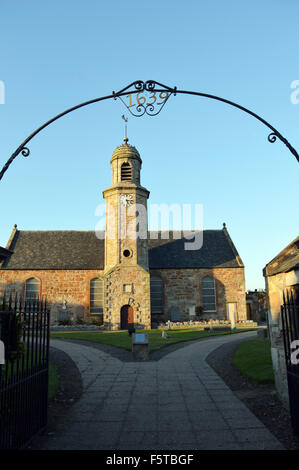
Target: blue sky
54,55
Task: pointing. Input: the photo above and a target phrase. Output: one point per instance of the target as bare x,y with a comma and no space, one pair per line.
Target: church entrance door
126,317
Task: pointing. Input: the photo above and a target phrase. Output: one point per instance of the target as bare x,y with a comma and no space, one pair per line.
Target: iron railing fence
290,327
24,330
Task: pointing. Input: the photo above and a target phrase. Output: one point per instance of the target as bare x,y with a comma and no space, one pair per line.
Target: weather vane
126,120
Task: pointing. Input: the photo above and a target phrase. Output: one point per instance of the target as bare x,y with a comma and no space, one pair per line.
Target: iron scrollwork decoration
143,104
272,137
25,152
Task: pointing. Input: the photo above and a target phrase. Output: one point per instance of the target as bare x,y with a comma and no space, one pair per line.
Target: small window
208,294
126,172
31,290
156,294
127,288
96,296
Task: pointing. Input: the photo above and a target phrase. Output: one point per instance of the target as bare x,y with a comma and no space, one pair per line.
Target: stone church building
126,279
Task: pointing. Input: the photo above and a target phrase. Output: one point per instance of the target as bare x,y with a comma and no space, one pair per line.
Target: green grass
53,374
53,381
121,339
253,359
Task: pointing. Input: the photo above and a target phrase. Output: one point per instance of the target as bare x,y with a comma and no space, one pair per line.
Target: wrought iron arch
149,108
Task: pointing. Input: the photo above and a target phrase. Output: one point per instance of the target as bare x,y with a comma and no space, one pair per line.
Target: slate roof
83,250
286,260
217,251
4,253
55,250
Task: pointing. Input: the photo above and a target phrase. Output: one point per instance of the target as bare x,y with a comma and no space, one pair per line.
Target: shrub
65,323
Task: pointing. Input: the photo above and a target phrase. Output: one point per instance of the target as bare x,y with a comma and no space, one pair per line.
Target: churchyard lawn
121,339
53,380
253,359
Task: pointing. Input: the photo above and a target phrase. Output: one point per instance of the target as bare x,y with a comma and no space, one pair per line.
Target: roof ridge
293,242
186,230
149,230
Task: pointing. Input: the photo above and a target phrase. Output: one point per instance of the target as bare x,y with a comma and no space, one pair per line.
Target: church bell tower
127,279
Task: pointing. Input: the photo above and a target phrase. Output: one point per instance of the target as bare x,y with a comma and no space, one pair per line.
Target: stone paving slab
177,402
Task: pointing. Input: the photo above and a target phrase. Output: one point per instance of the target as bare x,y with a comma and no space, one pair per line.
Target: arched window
156,294
31,289
126,172
96,296
208,294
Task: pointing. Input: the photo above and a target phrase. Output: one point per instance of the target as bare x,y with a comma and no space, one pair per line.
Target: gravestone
175,314
63,316
192,313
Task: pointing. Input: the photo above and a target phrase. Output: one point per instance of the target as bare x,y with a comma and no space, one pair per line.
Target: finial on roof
224,225
15,226
126,137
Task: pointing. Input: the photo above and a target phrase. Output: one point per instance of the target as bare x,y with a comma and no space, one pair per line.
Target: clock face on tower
126,199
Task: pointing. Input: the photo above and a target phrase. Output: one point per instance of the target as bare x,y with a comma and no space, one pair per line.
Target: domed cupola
126,164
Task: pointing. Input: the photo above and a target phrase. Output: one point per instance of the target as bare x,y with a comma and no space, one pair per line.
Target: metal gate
290,327
24,331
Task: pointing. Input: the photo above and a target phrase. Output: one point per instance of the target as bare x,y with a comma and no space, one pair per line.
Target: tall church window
126,172
208,294
31,289
156,294
96,296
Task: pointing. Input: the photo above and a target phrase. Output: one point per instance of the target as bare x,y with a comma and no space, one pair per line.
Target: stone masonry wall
58,286
182,289
275,286
127,286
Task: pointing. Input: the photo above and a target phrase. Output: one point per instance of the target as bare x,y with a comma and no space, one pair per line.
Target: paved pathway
176,403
